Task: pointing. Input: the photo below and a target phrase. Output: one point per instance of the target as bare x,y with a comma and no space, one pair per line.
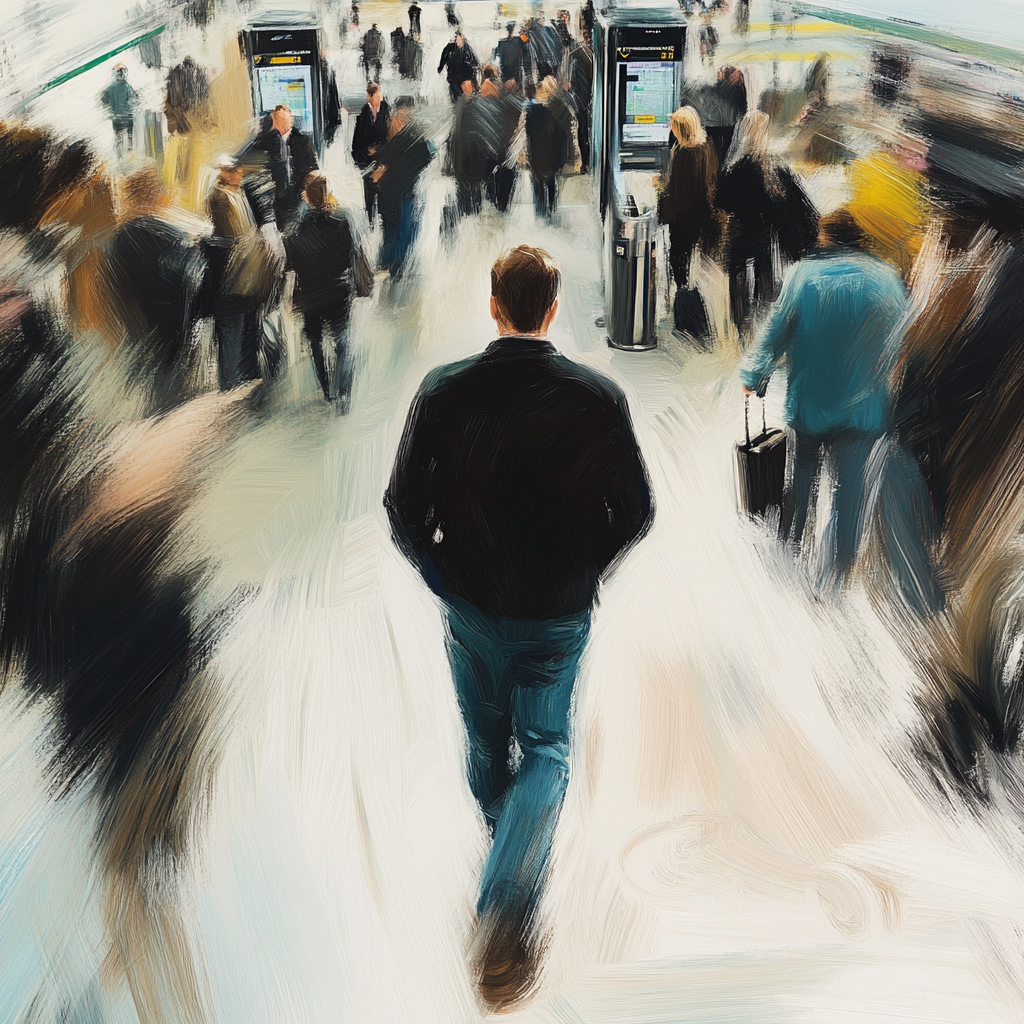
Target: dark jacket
547,139
509,54
289,162
460,61
320,248
332,101
518,481
687,204
373,45
470,142
404,156
370,133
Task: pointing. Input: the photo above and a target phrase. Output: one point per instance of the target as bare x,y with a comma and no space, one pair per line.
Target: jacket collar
514,343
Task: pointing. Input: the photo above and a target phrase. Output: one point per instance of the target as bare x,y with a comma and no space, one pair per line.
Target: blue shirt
838,326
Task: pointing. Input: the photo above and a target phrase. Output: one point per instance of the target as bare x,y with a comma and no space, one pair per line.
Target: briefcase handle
746,418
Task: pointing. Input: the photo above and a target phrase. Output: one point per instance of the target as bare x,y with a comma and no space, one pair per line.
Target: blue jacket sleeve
775,340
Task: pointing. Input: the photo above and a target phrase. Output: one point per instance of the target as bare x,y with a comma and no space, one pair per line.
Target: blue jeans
515,679
849,451
398,238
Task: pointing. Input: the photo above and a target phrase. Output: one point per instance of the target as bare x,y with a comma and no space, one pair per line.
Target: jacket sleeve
778,333
411,497
628,505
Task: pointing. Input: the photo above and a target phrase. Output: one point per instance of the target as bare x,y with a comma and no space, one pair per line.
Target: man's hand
376,176
372,150
747,390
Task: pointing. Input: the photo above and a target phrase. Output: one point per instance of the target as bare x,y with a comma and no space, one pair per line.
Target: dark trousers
238,340
315,325
514,681
369,196
454,90
545,195
583,136
399,234
468,196
376,66
848,452
124,134
500,186
739,285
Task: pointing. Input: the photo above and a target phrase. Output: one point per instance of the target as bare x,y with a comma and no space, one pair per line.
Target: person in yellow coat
888,202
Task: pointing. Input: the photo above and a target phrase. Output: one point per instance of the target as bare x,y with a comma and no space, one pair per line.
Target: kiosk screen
650,94
291,85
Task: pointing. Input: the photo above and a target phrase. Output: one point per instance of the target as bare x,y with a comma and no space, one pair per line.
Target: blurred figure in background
500,111
372,46
373,125
769,213
321,249
460,64
581,83
400,162
547,143
247,278
687,200
508,55
120,100
289,156
468,149
414,20
331,99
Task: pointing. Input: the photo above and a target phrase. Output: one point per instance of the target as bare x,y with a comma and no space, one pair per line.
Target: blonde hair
687,129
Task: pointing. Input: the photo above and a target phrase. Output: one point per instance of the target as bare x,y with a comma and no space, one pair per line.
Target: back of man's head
841,230
524,283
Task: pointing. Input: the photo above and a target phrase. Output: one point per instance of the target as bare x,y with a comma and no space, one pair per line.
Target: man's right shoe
507,962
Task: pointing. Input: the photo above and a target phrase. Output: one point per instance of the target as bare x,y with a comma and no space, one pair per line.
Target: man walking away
321,250
836,324
414,19
518,485
373,53
547,142
371,132
120,100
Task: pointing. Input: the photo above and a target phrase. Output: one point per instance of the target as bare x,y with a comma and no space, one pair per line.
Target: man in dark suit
414,19
371,132
290,159
518,485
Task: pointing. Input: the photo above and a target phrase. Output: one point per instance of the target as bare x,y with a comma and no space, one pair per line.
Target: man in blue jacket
837,325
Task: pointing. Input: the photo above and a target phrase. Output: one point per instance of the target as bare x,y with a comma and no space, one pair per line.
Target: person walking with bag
514,532
837,325
687,206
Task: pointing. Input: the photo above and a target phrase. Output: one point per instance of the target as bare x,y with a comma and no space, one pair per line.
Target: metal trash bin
631,278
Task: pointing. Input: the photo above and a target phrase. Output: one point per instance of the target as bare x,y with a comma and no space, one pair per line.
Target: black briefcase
762,467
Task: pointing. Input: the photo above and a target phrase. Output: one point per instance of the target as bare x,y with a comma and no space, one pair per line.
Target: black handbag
762,467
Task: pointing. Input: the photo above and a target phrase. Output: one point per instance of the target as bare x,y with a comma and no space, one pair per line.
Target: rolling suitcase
762,467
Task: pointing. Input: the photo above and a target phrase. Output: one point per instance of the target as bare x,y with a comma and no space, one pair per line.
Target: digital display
291,85
650,99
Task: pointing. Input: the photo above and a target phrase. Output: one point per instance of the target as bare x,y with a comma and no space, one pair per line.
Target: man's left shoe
507,963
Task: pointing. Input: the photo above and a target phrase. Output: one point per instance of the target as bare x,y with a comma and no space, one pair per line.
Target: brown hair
372,89
840,228
318,195
524,283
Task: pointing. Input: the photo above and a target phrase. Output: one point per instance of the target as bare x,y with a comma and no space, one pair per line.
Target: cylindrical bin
631,280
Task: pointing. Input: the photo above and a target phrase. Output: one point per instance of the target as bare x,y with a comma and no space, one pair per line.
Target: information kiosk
282,50
638,67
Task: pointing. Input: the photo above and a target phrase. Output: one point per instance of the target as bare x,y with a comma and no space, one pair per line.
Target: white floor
746,836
